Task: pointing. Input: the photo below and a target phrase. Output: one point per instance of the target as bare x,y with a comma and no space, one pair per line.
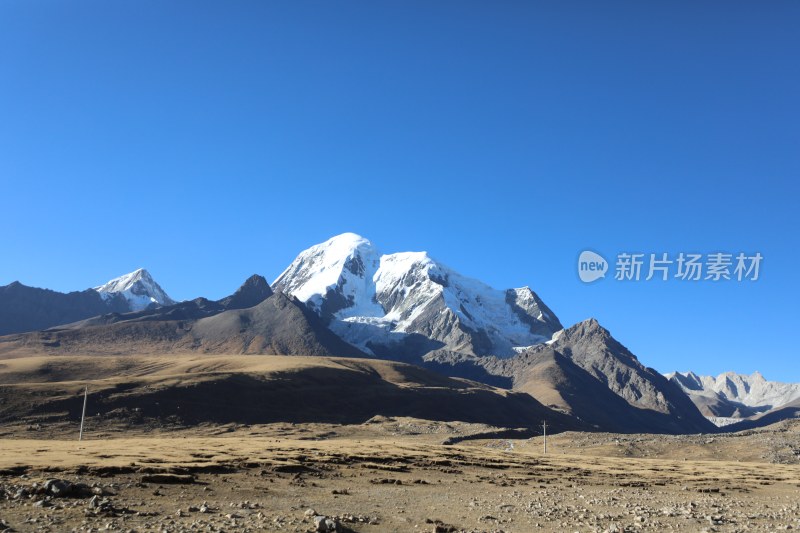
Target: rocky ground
392,474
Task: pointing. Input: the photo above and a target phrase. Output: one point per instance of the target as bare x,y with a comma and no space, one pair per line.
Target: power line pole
544,432
83,414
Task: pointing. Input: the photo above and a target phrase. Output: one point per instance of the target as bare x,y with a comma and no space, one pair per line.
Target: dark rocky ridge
277,325
589,374
24,308
254,291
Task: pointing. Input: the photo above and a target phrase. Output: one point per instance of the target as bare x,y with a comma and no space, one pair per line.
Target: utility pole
544,432
83,414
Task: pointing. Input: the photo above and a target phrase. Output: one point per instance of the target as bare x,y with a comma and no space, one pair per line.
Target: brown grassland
139,469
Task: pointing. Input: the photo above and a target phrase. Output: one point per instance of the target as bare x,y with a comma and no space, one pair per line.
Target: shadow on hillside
325,395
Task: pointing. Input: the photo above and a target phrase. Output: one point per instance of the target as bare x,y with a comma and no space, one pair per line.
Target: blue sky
207,141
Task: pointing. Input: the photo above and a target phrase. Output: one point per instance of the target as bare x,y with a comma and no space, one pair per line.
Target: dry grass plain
389,473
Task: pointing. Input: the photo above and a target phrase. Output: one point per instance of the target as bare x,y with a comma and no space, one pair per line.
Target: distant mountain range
24,308
344,298
731,398
253,320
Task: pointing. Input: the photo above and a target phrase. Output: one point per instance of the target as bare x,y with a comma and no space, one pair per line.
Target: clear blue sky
207,141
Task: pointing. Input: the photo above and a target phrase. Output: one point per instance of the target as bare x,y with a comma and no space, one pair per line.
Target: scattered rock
168,478
59,488
441,527
324,524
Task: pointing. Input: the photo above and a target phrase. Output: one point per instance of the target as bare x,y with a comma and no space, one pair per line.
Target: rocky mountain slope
277,324
586,372
252,292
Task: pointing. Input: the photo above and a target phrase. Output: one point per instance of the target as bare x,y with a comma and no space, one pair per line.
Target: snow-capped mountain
138,288
731,397
408,301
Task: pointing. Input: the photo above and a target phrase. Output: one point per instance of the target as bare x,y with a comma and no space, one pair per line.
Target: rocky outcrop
588,373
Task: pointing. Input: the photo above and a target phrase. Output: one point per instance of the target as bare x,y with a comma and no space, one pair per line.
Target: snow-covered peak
338,268
138,288
370,298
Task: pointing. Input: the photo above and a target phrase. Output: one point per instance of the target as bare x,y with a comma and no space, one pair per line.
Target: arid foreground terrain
158,472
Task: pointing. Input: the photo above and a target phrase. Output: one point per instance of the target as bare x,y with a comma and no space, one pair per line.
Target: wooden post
544,432
83,414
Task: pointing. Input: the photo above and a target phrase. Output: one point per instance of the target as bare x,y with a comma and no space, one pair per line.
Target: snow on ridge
526,297
482,307
123,282
722,421
476,304
343,260
138,288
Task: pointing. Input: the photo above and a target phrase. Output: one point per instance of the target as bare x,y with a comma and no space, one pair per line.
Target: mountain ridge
343,297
